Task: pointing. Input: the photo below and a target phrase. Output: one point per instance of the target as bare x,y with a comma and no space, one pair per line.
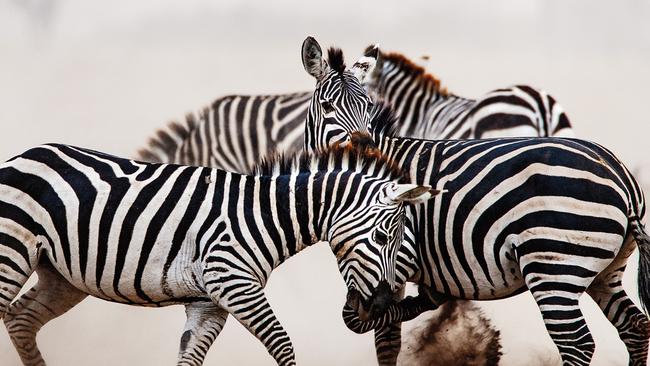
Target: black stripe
199,193
156,224
136,208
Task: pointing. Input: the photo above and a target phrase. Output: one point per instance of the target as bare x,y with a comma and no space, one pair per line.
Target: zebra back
233,133
428,110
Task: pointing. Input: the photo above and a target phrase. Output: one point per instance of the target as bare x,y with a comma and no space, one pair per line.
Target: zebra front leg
388,340
233,286
249,305
205,320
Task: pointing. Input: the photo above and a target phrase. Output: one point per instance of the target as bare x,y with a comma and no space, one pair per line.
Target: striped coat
147,234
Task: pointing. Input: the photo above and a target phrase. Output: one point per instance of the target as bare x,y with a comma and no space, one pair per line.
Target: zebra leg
17,262
388,340
557,294
248,304
205,320
51,297
632,325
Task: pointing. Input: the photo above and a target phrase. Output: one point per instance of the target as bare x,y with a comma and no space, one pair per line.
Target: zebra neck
284,213
422,105
410,94
418,159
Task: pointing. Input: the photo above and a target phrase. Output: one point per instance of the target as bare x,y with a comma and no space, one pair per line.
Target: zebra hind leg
631,323
17,263
557,299
205,320
51,297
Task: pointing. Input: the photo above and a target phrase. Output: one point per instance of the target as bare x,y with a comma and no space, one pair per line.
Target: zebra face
340,107
368,242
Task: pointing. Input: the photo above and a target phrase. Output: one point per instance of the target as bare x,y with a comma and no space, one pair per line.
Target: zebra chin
382,297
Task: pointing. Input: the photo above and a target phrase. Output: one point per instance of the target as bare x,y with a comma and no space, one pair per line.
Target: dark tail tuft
643,243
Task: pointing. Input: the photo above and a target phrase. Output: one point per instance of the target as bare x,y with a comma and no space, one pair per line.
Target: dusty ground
105,77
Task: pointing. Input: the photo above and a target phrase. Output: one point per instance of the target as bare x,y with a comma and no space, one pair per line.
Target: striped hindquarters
512,112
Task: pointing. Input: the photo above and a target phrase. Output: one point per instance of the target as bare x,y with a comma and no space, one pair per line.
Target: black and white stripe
236,131
426,110
558,217
155,234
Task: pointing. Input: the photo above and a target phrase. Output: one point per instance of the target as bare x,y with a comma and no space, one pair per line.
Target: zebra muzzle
381,299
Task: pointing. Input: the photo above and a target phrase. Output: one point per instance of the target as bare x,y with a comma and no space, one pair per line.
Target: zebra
152,235
427,110
555,216
236,131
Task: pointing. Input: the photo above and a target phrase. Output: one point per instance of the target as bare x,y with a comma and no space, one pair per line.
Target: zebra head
367,243
340,107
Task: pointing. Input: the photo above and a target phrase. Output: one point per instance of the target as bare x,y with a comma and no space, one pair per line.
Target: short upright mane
383,122
335,59
412,69
350,158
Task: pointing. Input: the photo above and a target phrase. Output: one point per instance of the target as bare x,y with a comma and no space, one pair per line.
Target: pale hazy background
105,75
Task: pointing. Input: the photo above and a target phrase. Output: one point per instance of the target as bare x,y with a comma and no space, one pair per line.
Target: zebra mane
412,69
335,59
383,122
162,147
349,157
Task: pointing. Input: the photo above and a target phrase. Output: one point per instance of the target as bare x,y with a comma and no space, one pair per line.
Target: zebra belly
150,287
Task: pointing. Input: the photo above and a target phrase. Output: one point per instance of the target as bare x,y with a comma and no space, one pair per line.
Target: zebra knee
22,331
642,325
285,355
636,337
21,327
185,339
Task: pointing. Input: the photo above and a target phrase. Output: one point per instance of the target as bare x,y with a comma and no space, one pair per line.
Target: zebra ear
365,67
312,58
411,193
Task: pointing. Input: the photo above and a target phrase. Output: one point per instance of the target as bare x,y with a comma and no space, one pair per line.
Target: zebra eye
327,107
380,238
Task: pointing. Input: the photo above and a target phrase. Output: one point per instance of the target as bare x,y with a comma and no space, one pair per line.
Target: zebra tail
643,243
